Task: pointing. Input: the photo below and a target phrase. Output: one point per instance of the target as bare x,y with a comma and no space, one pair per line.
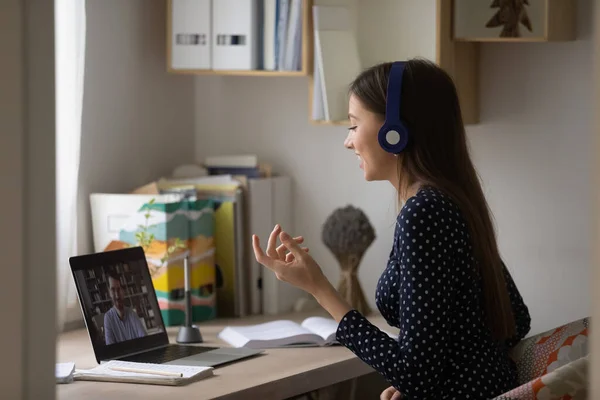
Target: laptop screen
118,301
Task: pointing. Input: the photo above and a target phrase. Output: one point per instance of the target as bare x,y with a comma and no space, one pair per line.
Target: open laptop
123,317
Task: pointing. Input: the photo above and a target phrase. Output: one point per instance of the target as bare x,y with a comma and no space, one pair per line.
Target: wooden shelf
501,40
390,31
549,20
330,123
264,73
306,51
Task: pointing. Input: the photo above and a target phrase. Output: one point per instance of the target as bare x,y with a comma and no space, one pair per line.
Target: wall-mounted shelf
345,122
399,30
306,52
498,21
237,72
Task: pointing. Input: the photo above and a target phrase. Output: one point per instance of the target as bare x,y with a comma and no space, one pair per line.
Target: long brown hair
437,155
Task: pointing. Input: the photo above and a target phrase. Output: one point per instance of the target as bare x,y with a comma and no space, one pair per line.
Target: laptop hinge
135,353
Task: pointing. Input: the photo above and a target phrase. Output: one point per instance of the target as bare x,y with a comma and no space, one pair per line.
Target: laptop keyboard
166,354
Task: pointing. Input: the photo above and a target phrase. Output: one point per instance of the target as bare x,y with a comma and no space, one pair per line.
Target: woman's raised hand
290,262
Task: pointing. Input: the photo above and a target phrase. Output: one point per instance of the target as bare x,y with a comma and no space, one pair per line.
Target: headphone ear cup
393,138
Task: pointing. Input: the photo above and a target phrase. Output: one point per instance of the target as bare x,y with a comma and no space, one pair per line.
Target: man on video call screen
120,322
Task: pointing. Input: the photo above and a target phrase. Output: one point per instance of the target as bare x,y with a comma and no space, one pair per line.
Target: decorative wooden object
514,20
510,15
347,233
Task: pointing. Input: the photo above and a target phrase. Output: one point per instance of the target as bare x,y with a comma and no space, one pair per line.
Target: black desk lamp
188,333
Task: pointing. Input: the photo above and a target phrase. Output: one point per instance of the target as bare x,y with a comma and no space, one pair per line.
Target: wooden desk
277,374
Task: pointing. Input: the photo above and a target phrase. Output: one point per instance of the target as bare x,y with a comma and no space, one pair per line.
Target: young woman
445,286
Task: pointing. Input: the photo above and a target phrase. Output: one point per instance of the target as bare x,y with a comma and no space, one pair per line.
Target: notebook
134,372
313,331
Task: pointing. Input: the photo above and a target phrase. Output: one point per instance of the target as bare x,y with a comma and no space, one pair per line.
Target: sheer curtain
70,29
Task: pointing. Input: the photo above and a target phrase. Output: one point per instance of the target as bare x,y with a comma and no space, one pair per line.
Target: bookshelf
136,293
306,51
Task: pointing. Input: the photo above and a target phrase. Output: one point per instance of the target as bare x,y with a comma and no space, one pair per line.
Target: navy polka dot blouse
429,291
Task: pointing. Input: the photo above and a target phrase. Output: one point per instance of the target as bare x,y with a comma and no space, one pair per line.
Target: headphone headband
394,90
393,135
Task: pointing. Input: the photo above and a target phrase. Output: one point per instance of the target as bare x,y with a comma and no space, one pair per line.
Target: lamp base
189,334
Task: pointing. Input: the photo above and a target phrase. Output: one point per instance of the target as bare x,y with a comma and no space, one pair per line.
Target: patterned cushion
568,382
552,365
543,353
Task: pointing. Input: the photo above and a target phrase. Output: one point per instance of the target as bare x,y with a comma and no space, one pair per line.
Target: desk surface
277,374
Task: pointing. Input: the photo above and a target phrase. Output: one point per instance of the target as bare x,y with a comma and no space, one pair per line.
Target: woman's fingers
289,257
291,245
261,257
281,249
387,393
271,262
273,253
272,243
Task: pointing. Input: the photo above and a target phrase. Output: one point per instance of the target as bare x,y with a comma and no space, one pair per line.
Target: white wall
534,152
269,117
532,149
137,119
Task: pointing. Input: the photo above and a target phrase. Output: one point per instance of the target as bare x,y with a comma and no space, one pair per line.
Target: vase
349,286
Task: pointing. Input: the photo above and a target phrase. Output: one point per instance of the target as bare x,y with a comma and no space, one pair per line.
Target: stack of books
236,165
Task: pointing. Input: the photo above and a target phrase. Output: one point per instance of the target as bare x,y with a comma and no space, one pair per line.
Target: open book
313,331
153,374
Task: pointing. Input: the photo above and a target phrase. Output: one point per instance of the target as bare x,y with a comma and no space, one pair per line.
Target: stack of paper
153,374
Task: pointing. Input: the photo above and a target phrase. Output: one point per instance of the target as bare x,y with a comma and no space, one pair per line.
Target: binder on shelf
288,20
336,59
293,48
269,35
270,203
283,11
190,34
259,221
235,34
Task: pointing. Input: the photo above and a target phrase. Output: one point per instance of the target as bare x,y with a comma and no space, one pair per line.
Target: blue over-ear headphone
393,135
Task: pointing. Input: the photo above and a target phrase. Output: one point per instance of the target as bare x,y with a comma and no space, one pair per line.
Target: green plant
144,238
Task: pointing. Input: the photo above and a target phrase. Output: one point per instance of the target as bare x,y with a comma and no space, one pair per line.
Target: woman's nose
348,141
